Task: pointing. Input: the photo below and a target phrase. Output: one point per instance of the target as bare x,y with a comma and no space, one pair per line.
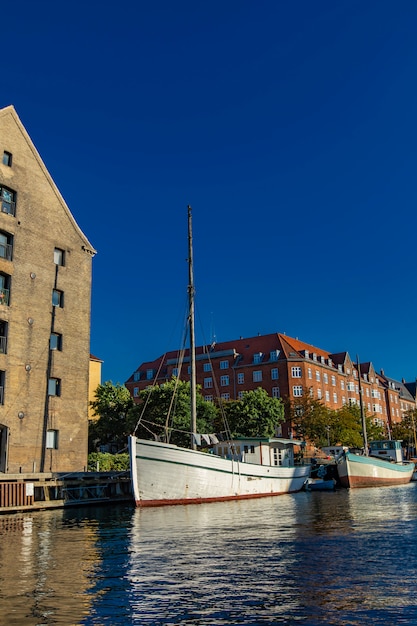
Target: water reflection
311,558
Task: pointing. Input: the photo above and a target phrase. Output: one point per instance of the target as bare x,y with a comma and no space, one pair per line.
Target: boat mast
364,434
192,330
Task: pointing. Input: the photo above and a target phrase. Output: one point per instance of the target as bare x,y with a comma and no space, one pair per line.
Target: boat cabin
262,451
387,449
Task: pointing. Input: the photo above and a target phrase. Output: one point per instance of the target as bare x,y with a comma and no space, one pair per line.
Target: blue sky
290,127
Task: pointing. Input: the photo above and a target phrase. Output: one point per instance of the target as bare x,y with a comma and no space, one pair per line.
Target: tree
405,431
167,412
310,419
114,407
322,426
255,415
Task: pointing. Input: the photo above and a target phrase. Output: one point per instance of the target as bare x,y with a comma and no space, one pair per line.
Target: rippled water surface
348,557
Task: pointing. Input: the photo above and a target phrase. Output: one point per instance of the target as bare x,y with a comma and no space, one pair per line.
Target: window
274,373
317,375
327,396
59,256
296,372
3,337
55,341
224,381
240,378
208,383
224,365
240,395
207,367
225,396
7,200
58,298
54,387
257,376
7,158
273,356
175,372
6,245
319,394
276,392
52,439
335,398
257,358
208,398
136,376
4,288
342,385
333,381
309,373
297,391
149,374
325,378
350,386
135,392
2,385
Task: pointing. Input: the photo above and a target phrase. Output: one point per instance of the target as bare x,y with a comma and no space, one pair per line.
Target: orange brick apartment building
285,368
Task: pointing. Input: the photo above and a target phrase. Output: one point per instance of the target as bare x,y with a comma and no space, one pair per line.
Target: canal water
348,557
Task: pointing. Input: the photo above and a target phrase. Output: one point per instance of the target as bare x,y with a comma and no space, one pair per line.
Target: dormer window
273,356
314,356
257,358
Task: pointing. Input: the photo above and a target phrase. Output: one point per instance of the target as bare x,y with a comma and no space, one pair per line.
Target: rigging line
216,386
149,395
173,404
177,430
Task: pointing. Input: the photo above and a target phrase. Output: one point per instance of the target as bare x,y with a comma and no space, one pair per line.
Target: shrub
106,462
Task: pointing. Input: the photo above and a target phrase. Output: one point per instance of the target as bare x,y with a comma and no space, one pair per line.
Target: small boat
163,473
382,467
320,484
320,478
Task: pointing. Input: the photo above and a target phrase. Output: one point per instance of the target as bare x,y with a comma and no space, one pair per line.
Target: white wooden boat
382,467
167,474
162,473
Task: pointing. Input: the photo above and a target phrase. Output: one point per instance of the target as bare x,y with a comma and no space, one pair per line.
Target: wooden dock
31,492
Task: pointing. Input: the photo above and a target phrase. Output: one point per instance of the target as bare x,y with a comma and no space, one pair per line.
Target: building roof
10,110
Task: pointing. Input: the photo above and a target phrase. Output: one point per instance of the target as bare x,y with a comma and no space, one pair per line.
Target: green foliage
115,410
406,430
255,415
310,419
106,462
173,398
321,426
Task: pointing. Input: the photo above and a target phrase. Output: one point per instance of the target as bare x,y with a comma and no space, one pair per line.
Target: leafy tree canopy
114,407
173,399
255,415
323,426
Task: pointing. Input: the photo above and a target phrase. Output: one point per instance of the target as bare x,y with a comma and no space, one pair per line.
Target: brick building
45,289
286,368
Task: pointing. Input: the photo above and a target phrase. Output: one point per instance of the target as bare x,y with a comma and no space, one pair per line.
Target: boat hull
365,471
164,474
